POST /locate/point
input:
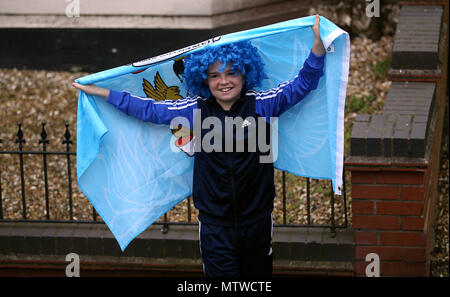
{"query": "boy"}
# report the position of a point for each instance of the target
(233, 191)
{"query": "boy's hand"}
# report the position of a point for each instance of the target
(91, 89)
(318, 48)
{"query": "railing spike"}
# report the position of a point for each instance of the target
(44, 139)
(67, 140)
(20, 140)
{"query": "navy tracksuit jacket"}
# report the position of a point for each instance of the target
(230, 189)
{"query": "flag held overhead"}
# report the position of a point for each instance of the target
(128, 168)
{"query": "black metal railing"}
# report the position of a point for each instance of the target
(44, 141)
(165, 222)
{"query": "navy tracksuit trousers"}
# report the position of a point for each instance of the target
(245, 251)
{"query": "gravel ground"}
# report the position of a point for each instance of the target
(31, 96)
(440, 253)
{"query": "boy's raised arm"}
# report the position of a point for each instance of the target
(92, 89)
(318, 47)
(275, 101)
(145, 109)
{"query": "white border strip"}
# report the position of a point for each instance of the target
(332, 36)
(341, 108)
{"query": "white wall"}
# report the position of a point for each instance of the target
(191, 14)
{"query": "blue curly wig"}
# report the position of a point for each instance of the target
(243, 57)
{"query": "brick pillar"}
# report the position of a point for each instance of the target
(389, 220)
(394, 157)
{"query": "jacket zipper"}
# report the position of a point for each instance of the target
(233, 191)
(233, 187)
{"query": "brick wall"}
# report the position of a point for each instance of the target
(388, 219)
(394, 157)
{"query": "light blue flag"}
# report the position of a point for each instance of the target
(128, 168)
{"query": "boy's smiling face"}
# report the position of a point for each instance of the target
(225, 86)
